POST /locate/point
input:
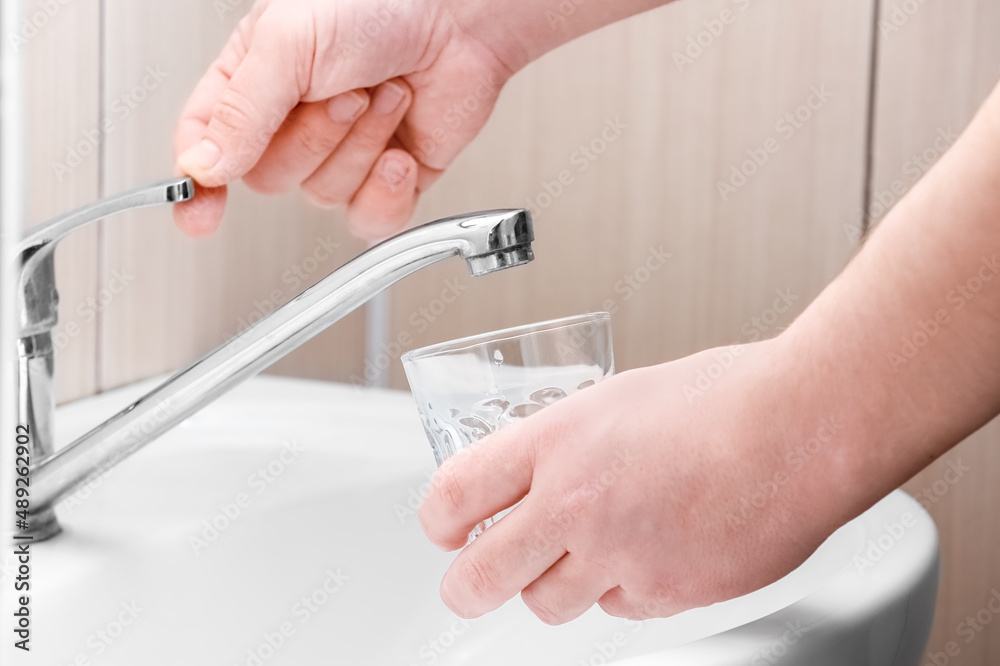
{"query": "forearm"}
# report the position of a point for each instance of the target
(520, 31)
(904, 344)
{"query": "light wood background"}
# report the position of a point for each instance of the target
(63, 87)
(137, 297)
(791, 227)
(934, 72)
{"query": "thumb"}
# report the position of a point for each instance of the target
(481, 481)
(244, 100)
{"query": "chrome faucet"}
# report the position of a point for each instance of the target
(488, 241)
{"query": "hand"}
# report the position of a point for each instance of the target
(649, 493)
(360, 104)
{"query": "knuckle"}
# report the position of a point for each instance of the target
(324, 197)
(614, 603)
(633, 607)
(613, 608)
(370, 140)
(234, 113)
(313, 141)
(265, 183)
(480, 576)
(542, 610)
(451, 491)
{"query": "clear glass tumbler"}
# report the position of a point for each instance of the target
(467, 388)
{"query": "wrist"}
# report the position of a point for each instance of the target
(521, 31)
(829, 436)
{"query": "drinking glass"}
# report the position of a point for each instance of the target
(468, 388)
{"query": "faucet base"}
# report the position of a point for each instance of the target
(44, 525)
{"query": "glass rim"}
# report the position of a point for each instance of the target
(524, 330)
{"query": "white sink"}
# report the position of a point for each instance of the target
(128, 583)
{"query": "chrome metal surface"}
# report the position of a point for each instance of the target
(37, 289)
(38, 308)
(13, 204)
(488, 241)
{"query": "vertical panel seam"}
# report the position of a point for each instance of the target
(869, 168)
(100, 269)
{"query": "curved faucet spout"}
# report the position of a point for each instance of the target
(488, 241)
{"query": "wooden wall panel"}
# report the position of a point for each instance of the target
(686, 126)
(677, 132)
(188, 295)
(938, 62)
(61, 48)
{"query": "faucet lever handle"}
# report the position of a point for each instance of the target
(34, 254)
(171, 190)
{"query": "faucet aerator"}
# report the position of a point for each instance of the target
(498, 261)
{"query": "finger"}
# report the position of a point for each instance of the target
(479, 482)
(385, 203)
(501, 562)
(251, 106)
(618, 603)
(343, 173)
(566, 591)
(198, 110)
(309, 137)
(201, 216)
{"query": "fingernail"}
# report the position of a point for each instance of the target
(388, 98)
(201, 157)
(347, 107)
(395, 171)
